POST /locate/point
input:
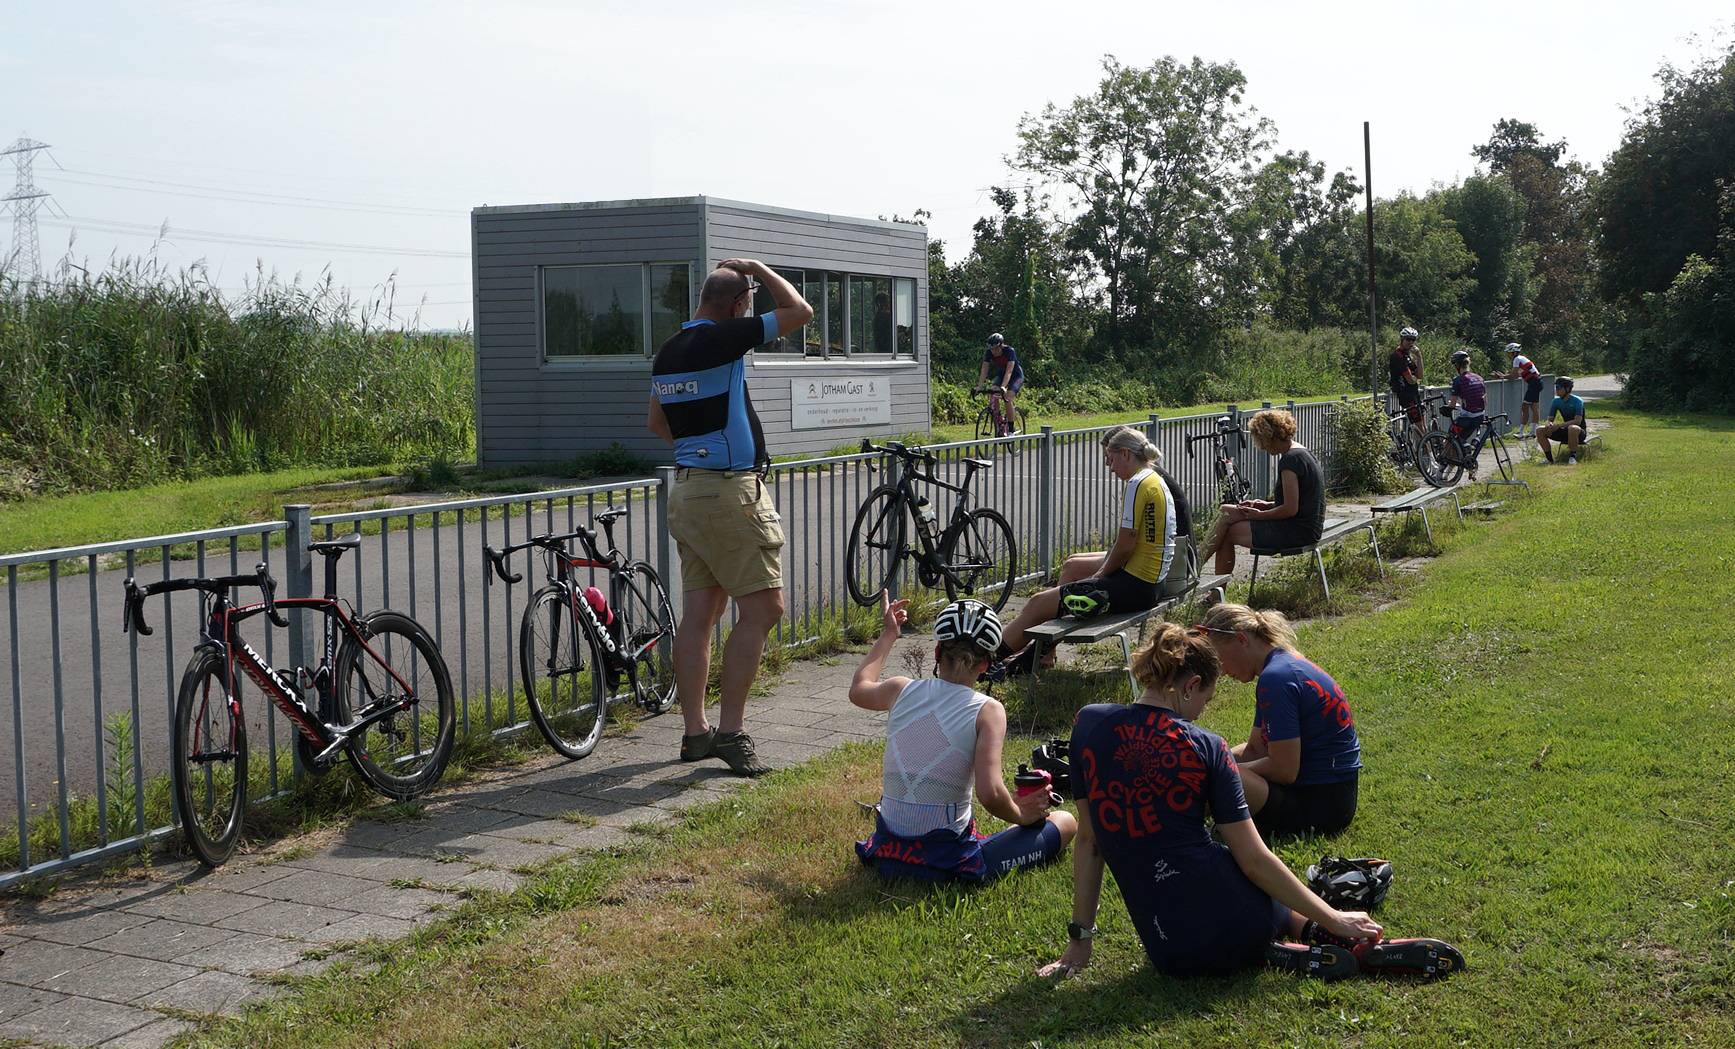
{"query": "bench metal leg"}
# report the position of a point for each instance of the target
(1127, 654)
(1374, 538)
(1253, 582)
(1426, 528)
(1035, 663)
(1319, 559)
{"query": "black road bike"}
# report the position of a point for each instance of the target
(381, 695)
(1446, 456)
(997, 417)
(974, 555)
(1232, 488)
(1406, 449)
(578, 646)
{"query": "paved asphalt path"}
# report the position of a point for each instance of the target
(475, 624)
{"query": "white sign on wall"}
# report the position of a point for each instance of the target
(818, 404)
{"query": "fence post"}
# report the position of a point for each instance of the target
(1045, 499)
(298, 566)
(665, 556)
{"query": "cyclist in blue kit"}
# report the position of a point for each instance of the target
(1301, 764)
(1002, 360)
(720, 513)
(1146, 779)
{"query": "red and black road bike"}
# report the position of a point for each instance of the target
(381, 694)
(582, 650)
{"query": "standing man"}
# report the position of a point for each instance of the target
(722, 517)
(1405, 370)
(1530, 409)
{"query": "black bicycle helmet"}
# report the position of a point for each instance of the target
(996, 339)
(1054, 758)
(1563, 381)
(1350, 884)
(1460, 357)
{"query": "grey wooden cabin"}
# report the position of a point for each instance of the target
(572, 301)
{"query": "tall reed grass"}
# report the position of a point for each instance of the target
(139, 374)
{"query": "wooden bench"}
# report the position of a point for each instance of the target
(1087, 631)
(1419, 499)
(1335, 530)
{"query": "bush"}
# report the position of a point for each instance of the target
(614, 461)
(1360, 456)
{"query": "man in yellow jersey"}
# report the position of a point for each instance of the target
(1125, 577)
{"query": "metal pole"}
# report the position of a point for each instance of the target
(1373, 294)
(1045, 503)
(665, 556)
(298, 570)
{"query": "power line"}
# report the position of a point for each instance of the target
(247, 196)
(166, 232)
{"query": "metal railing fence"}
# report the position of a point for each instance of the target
(91, 707)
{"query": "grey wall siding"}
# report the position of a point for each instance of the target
(532, 411)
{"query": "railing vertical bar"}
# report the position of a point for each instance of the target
(133, 689)
(415, 656)
(464, 626)
(487, 636)
(506, 615)
(18, 719)
(271, 712)
(96, 705)
(59, 706)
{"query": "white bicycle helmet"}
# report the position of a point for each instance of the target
(972, 620)
(1409, 333)
(1512, 348)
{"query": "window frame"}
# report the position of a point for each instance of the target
(646, 350)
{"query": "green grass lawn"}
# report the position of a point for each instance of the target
(1545, 719)
(1086, 420)
(164, 509)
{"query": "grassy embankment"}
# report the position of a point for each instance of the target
(1543, 716)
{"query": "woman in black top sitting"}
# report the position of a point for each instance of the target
(1293, 516)
(1146, 779)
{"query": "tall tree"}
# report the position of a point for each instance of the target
(1489, 214)
(1422, 266)
(1155, 158)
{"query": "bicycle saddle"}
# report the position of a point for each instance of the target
(981, 464)
(335, 547)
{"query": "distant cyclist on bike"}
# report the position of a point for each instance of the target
(1002, 359)
(1530, 410)
(1468, 406)
(1405, 367)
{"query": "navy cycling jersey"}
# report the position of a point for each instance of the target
(1148, 779)
(1472, 392)
(1297, 700)
(700, 380)
(997, 365)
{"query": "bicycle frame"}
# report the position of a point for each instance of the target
(907, 480)
(221, 631)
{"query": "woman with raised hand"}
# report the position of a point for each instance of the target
(1293, 517)
(1301, 763)
(943, 748)
(1146, 779)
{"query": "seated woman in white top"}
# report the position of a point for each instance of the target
(943, 744)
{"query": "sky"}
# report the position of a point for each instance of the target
(314, 138)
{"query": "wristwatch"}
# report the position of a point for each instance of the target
(1075, 931)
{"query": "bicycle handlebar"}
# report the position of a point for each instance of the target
(546, 541)
(899, 450)
(133, 613)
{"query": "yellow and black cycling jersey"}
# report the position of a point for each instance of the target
(1150, 513)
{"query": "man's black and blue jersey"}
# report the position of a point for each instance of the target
(700, 379)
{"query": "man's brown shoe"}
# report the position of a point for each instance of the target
(736, 748)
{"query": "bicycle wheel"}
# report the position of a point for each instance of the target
(647, 619)
(210, 762)
(876, 545)
(1502, 458)
(981, 560)
(1440, 461)
(403, 753)
(986, 423)
(564, 676)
